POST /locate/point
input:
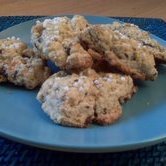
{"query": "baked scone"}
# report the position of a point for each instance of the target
(56, 40)
(113, 90)
(119, 51)
(78, 100)
(134, 32)
(20, 65)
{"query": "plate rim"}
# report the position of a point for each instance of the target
(84, 149)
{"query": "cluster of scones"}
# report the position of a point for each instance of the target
(98, 64)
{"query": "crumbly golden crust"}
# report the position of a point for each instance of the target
(20, 65)
(69, 99)
(78, 100)
(119, 51)
(134, 32)
(56, 40)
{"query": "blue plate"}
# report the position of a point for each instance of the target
(143, 122)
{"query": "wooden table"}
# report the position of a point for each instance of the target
(133, 8)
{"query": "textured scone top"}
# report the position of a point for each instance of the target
(11, 47)
(73, 100)
(20, 65)
(133, 31)
(56, 40)
(61, 84)
(61, 29)
(119, 51)
(144, 38)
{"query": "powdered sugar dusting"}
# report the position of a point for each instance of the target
(98, 83)
(66, 88)
(109, 80)
(122, 78)
(56, 29)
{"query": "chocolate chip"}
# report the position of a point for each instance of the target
(15, 74)
(68, 51)
(35, 45)
(127, 56)
(104, 110)
(95, 115)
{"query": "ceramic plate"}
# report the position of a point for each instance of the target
(142, 123)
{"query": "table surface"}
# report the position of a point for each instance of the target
(130, 8)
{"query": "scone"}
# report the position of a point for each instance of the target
(134, 32)
(119, 51)
(20, 65)
(113, 90)
(56, 40)
(78, 100)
